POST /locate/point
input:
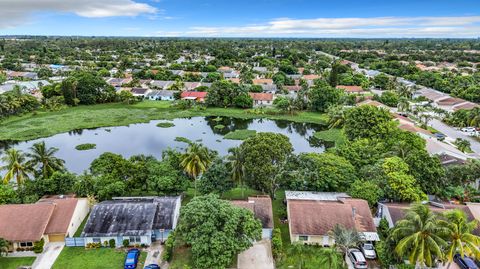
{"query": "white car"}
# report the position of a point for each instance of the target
(357, 259)
(468, 129)
(368, 251)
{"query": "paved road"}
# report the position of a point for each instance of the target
(259, 256)
(49, 255)
(454, 134)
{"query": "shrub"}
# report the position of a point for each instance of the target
(111, 243)
(38, 246)
(106, 243)
(126, 243)
(169, 244)
(277, 243)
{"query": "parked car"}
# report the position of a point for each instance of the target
(464, 262)
(152, 266)
(368, 251)
(132, 259)
(440, 136)
(468, 129)
(357, 258)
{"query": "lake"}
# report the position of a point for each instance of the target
(148, 139)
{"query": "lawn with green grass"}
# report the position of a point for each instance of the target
(336, 136)
(79, 231)
(15, 262)
(240, 134)
(102, 258)
(47, 123)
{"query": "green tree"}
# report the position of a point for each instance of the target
(243, 100)
(196, 161)
(236, 164)
(368, 122)
(265, 154)
(8, 195)
(463, 145)
(419, 236)
(216, 179)
(322, 96)
(402, 186)
(216, 230)
(459, 234)
(16, 166)
(367, 190)
(221, 94)
(345, 238)
(43, 160)
(3, 247)
(164, 179)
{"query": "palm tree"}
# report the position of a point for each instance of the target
(44, 159)
(236, 160)
(345, 238)
(16, 166)
(462, 144)
(331, 258)
(336, 116)
(459, 234)
(403, 105)
(419, 236)
(195, 161)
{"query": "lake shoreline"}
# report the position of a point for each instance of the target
(44, 124)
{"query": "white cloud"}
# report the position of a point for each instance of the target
(16, 12)
(466, 26)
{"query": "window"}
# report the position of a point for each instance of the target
(26, 244)
(96, 240)
(135, 239)
(303, 238)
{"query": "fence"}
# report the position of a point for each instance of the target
(75, 242)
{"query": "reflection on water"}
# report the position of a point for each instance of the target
(148, 139)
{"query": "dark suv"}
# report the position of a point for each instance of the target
(464, 262)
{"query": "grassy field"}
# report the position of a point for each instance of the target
(43, 123)
(332, 135)
(80, 228)
(103, 258)
(15, 262)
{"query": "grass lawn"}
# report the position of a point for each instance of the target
(103, 258)
(181, 256)
(80, 228)
(332, 135)
(15, 262)
(45, 123)
(240, 134)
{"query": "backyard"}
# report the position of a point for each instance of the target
(103, 258)
(15, 262)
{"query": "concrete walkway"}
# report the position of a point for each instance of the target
(154, 254)
(49, 255)
(259, 256)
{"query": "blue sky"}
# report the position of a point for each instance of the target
(247, 18)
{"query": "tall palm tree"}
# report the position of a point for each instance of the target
(336, 116)
(331, 258)
(236, 161)
(195, 161)
(418, 236)
(16, 166)
(403, 105)
(459, 234)
(44, 159)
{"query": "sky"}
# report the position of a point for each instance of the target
(243, 18)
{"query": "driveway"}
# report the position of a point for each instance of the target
(154, 254)
(259, 256)
(49, 255)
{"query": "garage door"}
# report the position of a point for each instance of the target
(56, 238)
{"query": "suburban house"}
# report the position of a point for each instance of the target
(393, 212)
(261, 99)
(51, 219)
(141, 220)
(161, 84)
(262, 81)
(195, 96)
(163, 95)
(351, 89)
(139, 92)
(118, 82)
(313, 215)
(261, 206)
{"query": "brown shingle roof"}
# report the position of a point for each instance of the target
(308, 217)
(24, 223)
(261, 206)
(62, 215)
(256, 96)
(350, 89)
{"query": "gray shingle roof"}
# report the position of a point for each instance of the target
(131, 216)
